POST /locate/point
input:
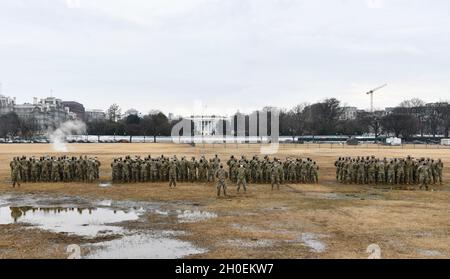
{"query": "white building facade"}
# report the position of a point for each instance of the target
(207, 125)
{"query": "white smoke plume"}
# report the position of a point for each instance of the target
(58, 136)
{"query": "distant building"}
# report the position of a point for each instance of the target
(47, 113)
(6, 104)
(389, 110)
(206, 125)
(94, 115)
(380, 113)
(349, 113)
(173, 117)
(76, 108)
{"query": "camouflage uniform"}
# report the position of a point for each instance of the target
(275, 175)
(221, 175)
(241, 178)
(16, 169)
(314, 173)
(423, 175)
(192, 170)
(173, 170)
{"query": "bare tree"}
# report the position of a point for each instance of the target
(9, 125)
(114, 113)
(28, 127)
(133, 125)
(156, 124)
(400, 124)
(322, 118)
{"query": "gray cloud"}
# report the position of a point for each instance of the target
(234, 54)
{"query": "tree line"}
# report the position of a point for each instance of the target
(409, 118)
(12, 126)
(327, 117)
(154, 124)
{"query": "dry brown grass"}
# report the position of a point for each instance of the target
(262, 223)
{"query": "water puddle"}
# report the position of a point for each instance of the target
(104, 185)
(430, 253)
(189, 216)
(310, 240)
(88, 222)
(104, 203)
(257, 243)
(127, 220)
(144, 246)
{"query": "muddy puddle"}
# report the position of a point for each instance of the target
(190, 216)
(158, 245)
(133, 236)
(313, 241)
(104, 185)
(430, 253)
(89, 222)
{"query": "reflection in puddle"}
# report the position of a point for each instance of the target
(144, 246)
(79, 221)
(93, 219)
(187, 216)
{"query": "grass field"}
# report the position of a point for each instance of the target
(327, 220)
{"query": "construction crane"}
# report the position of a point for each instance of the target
(371, 95)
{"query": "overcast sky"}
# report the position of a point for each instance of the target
(227, 55)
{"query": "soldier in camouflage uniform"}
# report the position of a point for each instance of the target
(183, 175)
(439, 168)
(193, 165)
(16, 169)
(371, 169)
(381, 179)
(115, 171)
(143, 176)
(400, 172)
(66, 171)
(314, 173)
(241, 178)
(291, 170)
(275, 174)
(423, 175)
(221, 175)
(35, 170)
(173, 170)
(337, 164)
(391, 173)
(259, 175)
(232, 168)
(210, 170)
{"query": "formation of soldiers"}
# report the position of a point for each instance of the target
(54, 169)
(240, 171)
(263, 171)
(163, 168)
(394, 171)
